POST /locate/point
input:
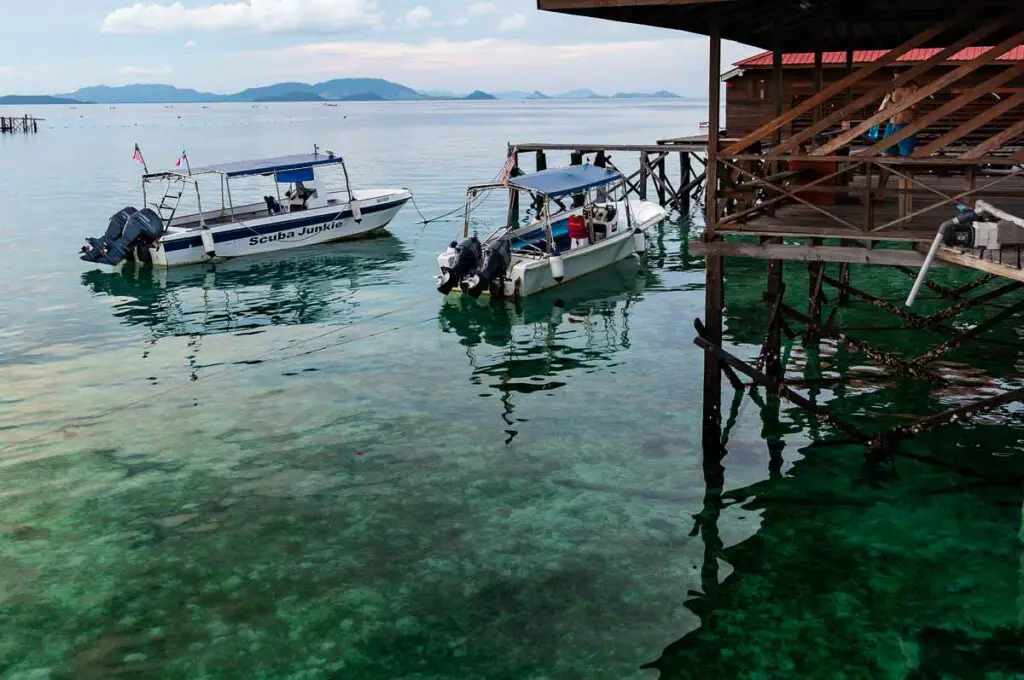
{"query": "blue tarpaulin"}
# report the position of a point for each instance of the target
(562, 181)
(266, 166)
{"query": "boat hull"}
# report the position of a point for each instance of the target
(281, 232)
(534, 276)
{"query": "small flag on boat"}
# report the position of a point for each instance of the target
(506, 172)
(138, 155)
(182, 158)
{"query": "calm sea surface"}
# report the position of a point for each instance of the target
(308, 465)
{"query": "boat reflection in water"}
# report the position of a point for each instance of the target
(541, 339)
(296, 287)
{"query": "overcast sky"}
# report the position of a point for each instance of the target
(55, 46)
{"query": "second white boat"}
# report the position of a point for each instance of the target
(585, 222)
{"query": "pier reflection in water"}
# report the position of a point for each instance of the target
(908, 570)
(535, 344)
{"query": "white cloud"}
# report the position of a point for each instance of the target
(513, 22)
(261, 16)
(481, 8)
(190, 43)
(6, 71)
(418, 15)
(140, 71)
(468, 64)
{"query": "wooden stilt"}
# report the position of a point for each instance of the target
(644, 173)
(815, 273)
(576, 158)
(659, 186)
(773, 346)
(542, 161)
(685, 176)
(714, 293)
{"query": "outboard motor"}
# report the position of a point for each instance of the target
(492, 275)
(95, 248)
(143, 228)
(468, 255)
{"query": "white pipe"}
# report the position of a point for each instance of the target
(981, 207)
(932, 252)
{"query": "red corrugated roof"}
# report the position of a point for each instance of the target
(797, 59)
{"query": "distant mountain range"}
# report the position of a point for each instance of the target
(341, 89)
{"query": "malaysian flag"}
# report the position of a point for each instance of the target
(506, 172)
(137, 156)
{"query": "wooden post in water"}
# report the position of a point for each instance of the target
(576, 158)
(685, 175)
(642, 181)
(513, 208)
(773, 349)
(714, 291)
(659, 186)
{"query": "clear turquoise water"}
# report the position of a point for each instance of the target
(309, 465)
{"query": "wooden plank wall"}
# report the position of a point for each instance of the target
(746, 111)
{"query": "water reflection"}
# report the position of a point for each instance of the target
(296, 287)
(540, 340)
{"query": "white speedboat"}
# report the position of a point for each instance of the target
(303, 211)
(585, 222)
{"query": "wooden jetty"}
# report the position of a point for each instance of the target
(657, 165)
(24, 123)
(799, 178)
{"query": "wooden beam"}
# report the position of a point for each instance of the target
(921, 94)
(946, 109)
(714, 106)
(956, 256)
(561, 5)
(777, 89)
(808, 253)
(970, 126)
(996, 141)
(835, 88)
(879, 91)
(818, 80)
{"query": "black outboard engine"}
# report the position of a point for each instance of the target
(141, 228)
(95, 248)
(468, 255)
(492, 274)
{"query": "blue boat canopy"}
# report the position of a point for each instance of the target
(562, 181)
(281, 165)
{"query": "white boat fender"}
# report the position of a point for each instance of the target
(557, 266)
(207, 236)
(357, 214)
(639, 240)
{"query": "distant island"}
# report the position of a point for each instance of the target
(340, 89)
(30, 99)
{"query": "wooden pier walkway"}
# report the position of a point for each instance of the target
(24, 123)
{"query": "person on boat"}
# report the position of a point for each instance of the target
(579, 233)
